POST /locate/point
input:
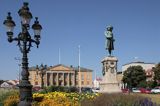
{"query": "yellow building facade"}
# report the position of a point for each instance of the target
(61, 75)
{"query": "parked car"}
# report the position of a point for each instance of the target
(136, 90)
(36, 88)
(86, 90)
(96, 90)
(145, 90)
(125, 90)
(156, 90)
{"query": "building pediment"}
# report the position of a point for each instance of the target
(60, 67)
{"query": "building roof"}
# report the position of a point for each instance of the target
(33, 68)
(8, 83)
(82, 69)
(13, 82)
(60, 65)
(137, 62)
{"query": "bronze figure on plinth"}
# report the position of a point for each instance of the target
(109, 45)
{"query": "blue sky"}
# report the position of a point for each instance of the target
(69, 23)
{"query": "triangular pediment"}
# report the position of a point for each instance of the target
(60, 67)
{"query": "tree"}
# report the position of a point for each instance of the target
(156, 71)
(1, 81)
(134, 76)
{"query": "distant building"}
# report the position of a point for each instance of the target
(9, 84)
(146, 66)
(14, 82)
(6, 85)
(61, 75)
(96, 82)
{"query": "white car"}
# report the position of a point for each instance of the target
(96, 90)
(155, 90)
(136, 90)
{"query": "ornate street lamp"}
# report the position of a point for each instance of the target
(24, 41)
(19, 64)
(42, 68)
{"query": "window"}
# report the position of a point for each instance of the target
(36, 83)
(87, 82)
(82, 77)
(76, 82)
(36, 77)
(82, 82)
(77, 76)
(88, 77)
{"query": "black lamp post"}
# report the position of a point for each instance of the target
(42, 68)
(24, 41)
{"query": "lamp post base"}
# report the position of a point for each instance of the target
(24, 103)
(25, 94)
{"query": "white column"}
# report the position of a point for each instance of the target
(57, 79)
(72, 79)
(51, 78)
(62, 79)
(68, 80)
(46, 79)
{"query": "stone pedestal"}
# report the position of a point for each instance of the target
(109, 83)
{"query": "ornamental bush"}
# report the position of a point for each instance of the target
(60, 89)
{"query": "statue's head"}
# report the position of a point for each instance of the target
(109, 28)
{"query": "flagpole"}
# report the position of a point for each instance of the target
(59, 55)
(79, 68)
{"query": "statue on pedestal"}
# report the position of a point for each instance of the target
(109, 39)
(109, 83)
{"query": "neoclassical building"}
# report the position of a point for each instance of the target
(61, 75)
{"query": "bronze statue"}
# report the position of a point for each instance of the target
(109, 39)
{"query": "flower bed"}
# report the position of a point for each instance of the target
(52, 99)
(61, 98)
(83, 99)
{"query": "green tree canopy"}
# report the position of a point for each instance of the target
(1, 81)
(134, 76)
(156, 71)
